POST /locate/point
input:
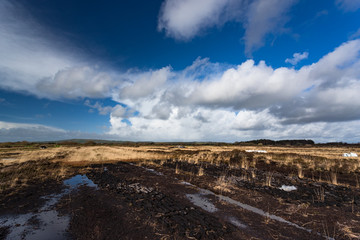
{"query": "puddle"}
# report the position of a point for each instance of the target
(259, 211)
(201, 202)
(153, 171)
(186, 183)
(256, 151)
(288, 188)
(78, 181)
(46, 223)
(234, 221)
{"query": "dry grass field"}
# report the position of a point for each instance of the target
(180, 192)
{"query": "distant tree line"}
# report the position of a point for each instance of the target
(268, 142)
(94, 142)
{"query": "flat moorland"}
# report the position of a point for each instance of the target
(179, 192)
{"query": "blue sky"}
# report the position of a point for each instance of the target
(180, 70)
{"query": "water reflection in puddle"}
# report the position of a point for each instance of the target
(201, 202)
(46, 223)
(79, 180)
(42, 225)
(234, 221)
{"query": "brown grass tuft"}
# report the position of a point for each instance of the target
(268, 178)
(300, 171)
(177, 169)
(201, 171)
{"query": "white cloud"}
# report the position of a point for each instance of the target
(77, 82)
(119, 111)
(265, 17)
(249, 86)
(297, 57)
(10, 125)
(251, 101)
(185, 19)
(33, 63)
(26, 54)
(211, 101)
(205, 101)
(11, 132)
(142, 84)
(103, 110)
(223, 125)
(335, 80)
(30, 132)
(348, 5)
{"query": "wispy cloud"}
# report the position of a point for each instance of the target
(33, 63)
(103, 110)
(348, 5)
(265, 17)
(185, 19)
(29, 55)
(297, 57)
(11, 132)
(11, 125)
(355, 34)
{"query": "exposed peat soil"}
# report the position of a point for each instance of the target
(172, 199)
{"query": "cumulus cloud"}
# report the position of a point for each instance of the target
(222, 125)
(185, 19)
(348, 5)
(248, 86)
(77, 82)
(142, 84)
(297, 57)
(119, 111)
(249, 100)
(332, 97)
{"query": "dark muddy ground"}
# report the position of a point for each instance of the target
(171, 200)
